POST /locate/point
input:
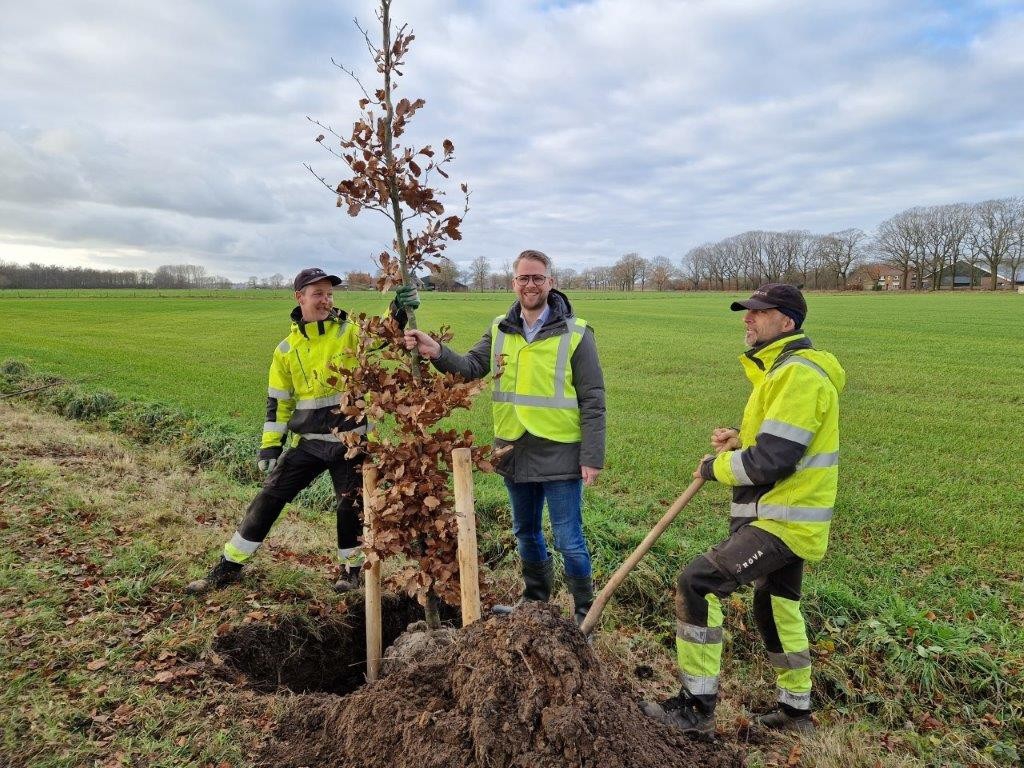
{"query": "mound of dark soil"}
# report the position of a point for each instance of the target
(525, 690)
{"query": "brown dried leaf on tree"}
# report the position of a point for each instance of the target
(386, 384)
(414, 504)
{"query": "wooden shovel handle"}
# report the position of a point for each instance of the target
(620, 575)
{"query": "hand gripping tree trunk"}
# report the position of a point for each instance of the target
(394, 180)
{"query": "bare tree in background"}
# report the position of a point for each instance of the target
(1015, 253)
(359, 281)
(694, 266)
(479, 270)
(662, 273)
(446, 275)
(840, 251)
(994, 231)
(565, 277)
(626, 271)
(895, 243)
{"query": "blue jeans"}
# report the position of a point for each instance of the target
(565, 509)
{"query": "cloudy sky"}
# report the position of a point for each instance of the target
(134, 134)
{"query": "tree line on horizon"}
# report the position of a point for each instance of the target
(925, 246)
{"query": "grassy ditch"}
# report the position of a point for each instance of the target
(948, 685)
(917, 611)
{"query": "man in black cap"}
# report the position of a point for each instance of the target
(783, 467)
(301, 402)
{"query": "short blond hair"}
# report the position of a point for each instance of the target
(535, 256)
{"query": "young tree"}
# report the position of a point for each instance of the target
(412, 507)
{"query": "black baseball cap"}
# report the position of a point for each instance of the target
(781, 296)
(312, 275)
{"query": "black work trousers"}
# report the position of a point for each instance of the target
(295, 471)
(749, 556)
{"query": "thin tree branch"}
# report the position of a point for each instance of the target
(326, 128)
(352, 74)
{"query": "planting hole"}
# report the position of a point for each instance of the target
(307, 655)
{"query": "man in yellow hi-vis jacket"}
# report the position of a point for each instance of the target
(548, 404)
(301, 402)
(783, 466)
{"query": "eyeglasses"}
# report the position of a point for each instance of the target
(535, 279)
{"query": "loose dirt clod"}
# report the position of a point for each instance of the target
(525, 690)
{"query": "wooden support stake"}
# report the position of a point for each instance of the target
(465, 513)
(374, 645)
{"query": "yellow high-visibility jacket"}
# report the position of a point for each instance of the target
(299, 399)
(785, 475)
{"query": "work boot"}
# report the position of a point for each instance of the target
(538, 579)
(582, 590)
(787, 720)
(223, 573)
(684, 713)
(349, 579)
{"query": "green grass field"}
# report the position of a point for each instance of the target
(919, 604)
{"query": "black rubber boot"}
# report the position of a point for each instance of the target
(787, 719)
(349, 579)
(538, 580)
(582, 590)
(223, 573)
(683, 712)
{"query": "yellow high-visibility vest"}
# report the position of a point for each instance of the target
(534, 392)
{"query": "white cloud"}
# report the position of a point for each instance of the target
(133, 135)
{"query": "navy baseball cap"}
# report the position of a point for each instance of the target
(774, 296)
(312, 275)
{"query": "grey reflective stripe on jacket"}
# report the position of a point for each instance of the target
(819, 461)
(312, 403)
(781, 512)
(559, 400)
(786, 431)
(330, 437)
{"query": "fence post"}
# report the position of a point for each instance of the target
(372, 593)
(469, 579)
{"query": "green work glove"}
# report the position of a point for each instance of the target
(406, 297)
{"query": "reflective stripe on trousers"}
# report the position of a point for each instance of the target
(238, 550)
(793, 665)
(699, 651)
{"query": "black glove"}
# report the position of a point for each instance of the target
(267, 458)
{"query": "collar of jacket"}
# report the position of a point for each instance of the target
(557, 322)
(763, 356)
(319, 327)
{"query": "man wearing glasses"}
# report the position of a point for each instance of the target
(548, 404)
